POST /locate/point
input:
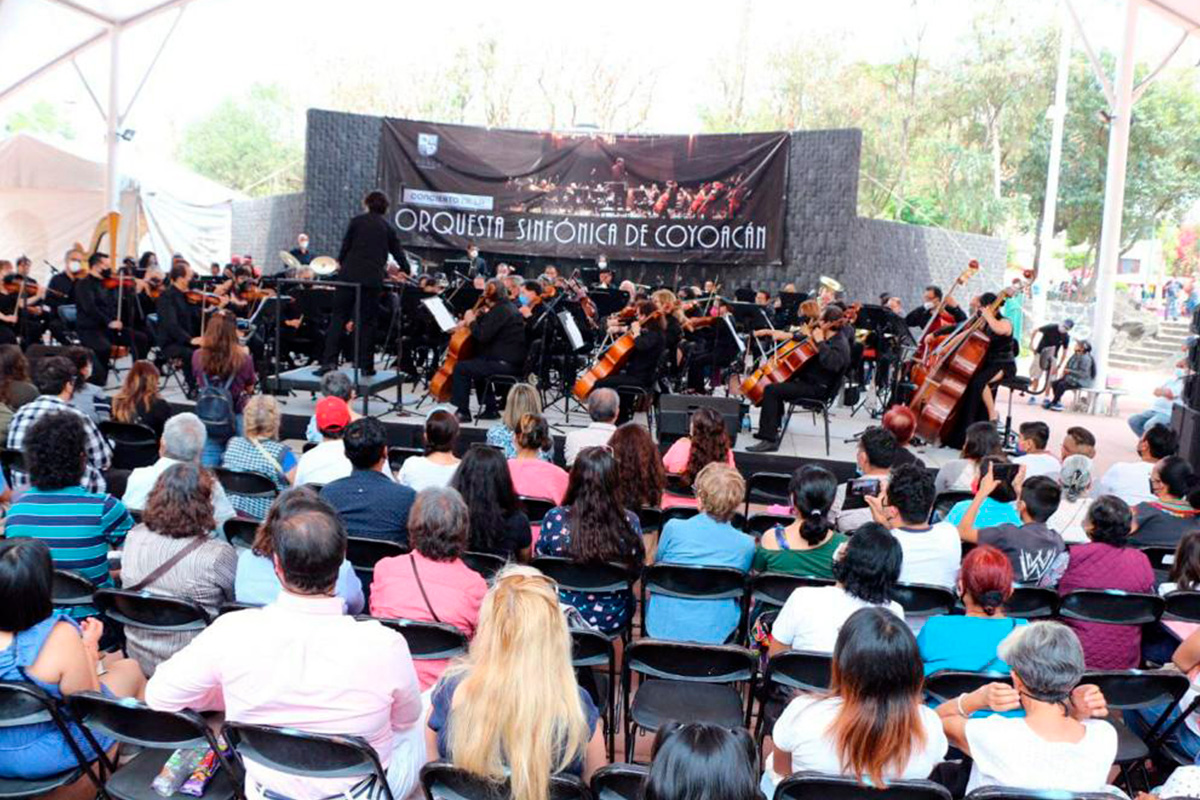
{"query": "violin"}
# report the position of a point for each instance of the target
(14, 284)
(789, 358)
(122, 282)
(197, 297)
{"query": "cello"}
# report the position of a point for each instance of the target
(609, 363)
(460, 348)
(789, 358)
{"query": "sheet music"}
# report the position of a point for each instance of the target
(572, 329)
(441, 313)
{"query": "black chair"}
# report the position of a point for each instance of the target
(1161, 558)
(427, 641)
(946, 501)
(1005, 793)
(695, 583)
(818, 408)
(153, 612)
(232, 605)
(364, 553)
(536, 508)
(574, 577)
(1111, 606)
(679, 487)
(619, 782)
(1032, 602)
(441, 780)
(240, 532)
(819, 786)
(1182, 605)
(591, 650)
(23, 704)
(398, 455)
(685, 682)
(486, 564)
(159, 734)
(758, 524)
(774, 588)
(11, 460)
(71, 589)
(134, 445)
(923, 600)
(678, 512)
(650, 518)
(793, 670)
(949, 683)
(307, 755)
(767, 488)
(1133, 689)
(246, 484)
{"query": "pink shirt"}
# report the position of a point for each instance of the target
(533, 477)
(676, 458)
(455, 591)
(300, 662)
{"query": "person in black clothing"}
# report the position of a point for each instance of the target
(61, 292)
(816, 380)
(641, 368)
(179, 321)
(1050, 344)
(978, 403)
(301, 252)
(363, 259)
(97, 323)
(478, 267)
(919, 317)
(499, 334)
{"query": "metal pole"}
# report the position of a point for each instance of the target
(1114, 196)
(112, 192)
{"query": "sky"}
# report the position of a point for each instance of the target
(220, 47)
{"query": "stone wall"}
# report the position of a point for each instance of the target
(265, 225)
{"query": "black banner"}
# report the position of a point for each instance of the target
(700, 199)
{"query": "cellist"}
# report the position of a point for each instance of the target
(979, 399)
(641, 370)
(816, 380)
(498, 331)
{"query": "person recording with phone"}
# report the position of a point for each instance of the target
(876, 455)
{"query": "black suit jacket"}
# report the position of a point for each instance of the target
(365, 247)
(500, 333)
(95, 305)
(177, 322)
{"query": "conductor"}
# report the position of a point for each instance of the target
(363, 259)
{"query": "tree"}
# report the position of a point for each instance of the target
(41, 117)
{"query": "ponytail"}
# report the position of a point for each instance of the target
(814, 526)
(813, 490)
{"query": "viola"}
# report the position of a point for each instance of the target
(16, 284)
(609, 363)
(123, 282)
(789, 358)
(197, 297)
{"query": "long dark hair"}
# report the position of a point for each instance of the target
(1185, 572)
(13, 367)
(640, 474)
(710, 443)
(220, 352)
(600, 530)
(813, 490)
(702, 761)
(483, 480)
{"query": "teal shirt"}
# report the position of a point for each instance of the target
(991, 513)
(967, 644)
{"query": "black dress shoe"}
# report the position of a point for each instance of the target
(769, 446)
(324, 369)
(369, 372)
(462, 416)
(488, 415)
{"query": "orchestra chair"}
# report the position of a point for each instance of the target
(497, 386)
(619, 782)
(441, 780)
(23, 704)
(787, 673)
(307, 755)
(69, 314)
(821, 786)
(592, 651)
(816, 407)
(169, 367)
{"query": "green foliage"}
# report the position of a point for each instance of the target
(41, 117)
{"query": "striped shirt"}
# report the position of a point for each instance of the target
(98, 450)
(78, 526)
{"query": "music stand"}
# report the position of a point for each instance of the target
(608, 301)
(789, 308)
(751, 317)
(464, 298)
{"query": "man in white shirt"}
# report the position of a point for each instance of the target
(1130, 480)
(182, 442)
(876, 453)
(327, 462)
(1165, 397)
(603, 407)
(932, 553)
(1032, 438)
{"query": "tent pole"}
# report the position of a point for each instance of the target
(112, 191)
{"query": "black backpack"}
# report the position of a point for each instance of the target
(214, 407)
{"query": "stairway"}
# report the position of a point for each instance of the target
(1152, 352)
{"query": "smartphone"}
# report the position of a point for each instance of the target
(863, 487)
(1005, 473)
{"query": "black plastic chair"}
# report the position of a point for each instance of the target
(619, 782)
(536, 508)
(307, 755)
(134, 445)
(1182, 605)
(441, 780)
(364, 553)
(650, 518)
(1134, 689)
(678, 512)
(817, 407)
(766, 488)
(427, 641)
(758, 524)
(233, 605)
(685, 682)
(24, 704)
(71, 589)
(1161, 558)
(11, 461)
(591, 650)
(1005, 793)
(1032, 602)
(946, 501)
(153, 612)
(240, 532)
(575, 577)
(774, 588)
(948, 683)
(1111, 606)
(695, 583)
(398, 455)
(794, 670)
(923, 600)
(677, 486)
(820, 786)
(486, 564)
(246, 484)
(159, 733)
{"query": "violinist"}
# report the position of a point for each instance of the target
(97, 323)
(605, 279)
(919, 317)
(762, 299)
(179, 321)
(498, 331)
(8, 306)
(816, 380)
(999, 362)
(641, 370)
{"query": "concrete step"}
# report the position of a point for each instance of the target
(1116, 362)
(1139, 358)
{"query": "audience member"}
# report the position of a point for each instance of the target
(1037, 553)
(222, 362)
(257, 579)
(15, 388)
(902, 423)
(705, 540)
(1056, 745)
(498, 523)
(641, 478)
(302, 663)
(1108, 562)
(182, 442)
(172, 553)
(1079, 372)
(437, 466)
(875, 456)
(138, 400)
(1076, 482)
(55, 379)
(996, 508)
(88, 398)
(1184, 574)
(589, 528)
(959, 475)
(1032, 440)
(866, 569)
(327, 461)
(1130, 480)
(1184, 737)
(1078, 441)
(707, 443)
(45, 648)
(1165, 397)
(695, 760)
(604, 406)
(479, 724)
(369, 503)
(931, 551)
(807, 546)
(259, 451)
(1175, 509)
(431, 583)
(872, 726)
(522, 399)
(532, 476)
(333, 384)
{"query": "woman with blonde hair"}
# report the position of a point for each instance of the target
(481, 725)
(258, 450)
(138, 400)
(522, 399)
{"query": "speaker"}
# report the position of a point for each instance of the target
(1186, 423)
(675, 415)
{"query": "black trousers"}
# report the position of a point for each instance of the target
(343, 312)
(777, 395)
(474, 373)
(1061, 386)
(182, 352)
(618, 381)
(101, 344)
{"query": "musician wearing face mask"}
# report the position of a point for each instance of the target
(919, 317)
(605, 280)
(301, 252)
(979, 398)
(478, 267)
(97, 322)
(498, 331)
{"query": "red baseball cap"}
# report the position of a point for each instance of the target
(332, 414)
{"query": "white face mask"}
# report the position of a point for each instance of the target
(603, 264)
(929, 305)
(74, 266)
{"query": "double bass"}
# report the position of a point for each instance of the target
(609, 363)
(789, 358)
(460, 348)
(929, 344)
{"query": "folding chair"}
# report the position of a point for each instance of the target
(678, 487)
(486, 564)
(1032, 602)
(791, 671)
(147, 611)
(307, 755)
(816, 407)
(819, 786)
(575, 577)
(398, 455)
(758, 524)
(427, 641)
(650, 518)
(619, 782)
(695, 583)
(536, 508)
(1111, 606)
(240, 532)
(1005, 793)
(946, 501)
(774, 588)
(1182, 605)
(71, 589)
(134, 445)
(767, 488)
(246, 484)
(441, 780)
(923, 600)
(364, 553)
(591, 650)
(678, 512)
(948, 683)
(11, 460)
(23, 704)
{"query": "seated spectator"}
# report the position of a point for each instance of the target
(876, 455)
(931, 552)
(959, 475)
(259, 451)
(1037, 552)
(1130, 480)
(531, 475)
(702, 760)
(498, 524)
(902, 424)
(1079, 372)
(1175, 509)
(15, 388)
(437, 466)
(807, 546)
(338, 675)
(172, 553)
(1108, 562)
(88, 398)
(479, 724)
(257, 581)
(707, 443)
(1032, 440)
(55, 379)
(522, 399)
(590, 528)
(369, 503)
(60, 656)
(1184, 574)
(333, 384)
(997, 508)
(1165, 397)
(872, 726)
(706, 540)
(138, 400)
(604, 406)
(866, 570)
(1185, 736)
(182, 442)
(78, 525)
(327, 462)
(1076, 482)
(969, 641)
(431, 583)
(1056, 745)
(1078, 441)
(641, 478)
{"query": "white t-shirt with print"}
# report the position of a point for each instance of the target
(1040, 464)
(1007, 752)
(813, 615)
(932, 556)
